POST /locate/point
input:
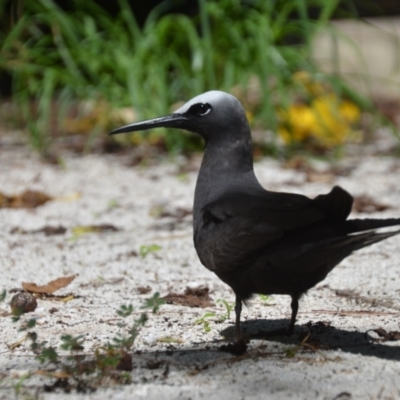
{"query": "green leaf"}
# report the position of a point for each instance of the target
(228, 307)
(144, 250)
(292, 351)
(125, 311)
(154, 302)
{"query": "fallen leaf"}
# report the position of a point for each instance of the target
(47, 230)
(52, 230)
(198, 297)
(84, 229)
(14, 345)
(27, 199)
(143, 289)
(51, 287)
(56, 374)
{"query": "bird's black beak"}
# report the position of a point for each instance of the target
(169, 121)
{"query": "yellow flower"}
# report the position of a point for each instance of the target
(350, 111)
(324, 118)
(327, 119)
(298, 122)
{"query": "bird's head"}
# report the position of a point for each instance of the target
(214, 115)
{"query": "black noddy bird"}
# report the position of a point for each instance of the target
(255, 240)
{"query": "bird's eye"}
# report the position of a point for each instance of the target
(200, 109)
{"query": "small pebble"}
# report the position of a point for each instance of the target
(194, 285)
(23, 302)
(151, 340)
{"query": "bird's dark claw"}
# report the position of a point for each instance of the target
(238, 347)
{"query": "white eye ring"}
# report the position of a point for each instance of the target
(197, 109)
(206, 112)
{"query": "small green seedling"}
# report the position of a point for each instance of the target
(144, 250)
(154, 302)
(292, 351)
(125, 311)
(72, 343)
(228, 308)
(204, 321)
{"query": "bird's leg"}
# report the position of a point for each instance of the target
(237, 337)
(295, 307)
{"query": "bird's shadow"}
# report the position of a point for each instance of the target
(315, 337)
(321, 336)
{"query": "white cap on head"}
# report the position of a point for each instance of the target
(213, 97)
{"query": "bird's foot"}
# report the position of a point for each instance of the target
(238, 347)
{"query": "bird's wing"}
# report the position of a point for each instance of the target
(237, 225)
(285, 211)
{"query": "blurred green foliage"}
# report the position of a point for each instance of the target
(60, 60)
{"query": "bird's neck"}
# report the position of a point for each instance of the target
(225, 167)
(222, 158)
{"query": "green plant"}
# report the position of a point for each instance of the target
(83, 371)
(154, 302)
(228, 309)
(204, 321)
(77, 71)
(125, 311)
(291, 352)
(145, 250)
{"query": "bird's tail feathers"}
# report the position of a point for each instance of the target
(361, 240)
(360, 225)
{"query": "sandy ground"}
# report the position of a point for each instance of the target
(341, 361)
